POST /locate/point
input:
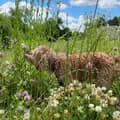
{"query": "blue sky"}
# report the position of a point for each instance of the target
(76, 9)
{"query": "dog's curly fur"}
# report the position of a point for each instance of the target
(98, 67)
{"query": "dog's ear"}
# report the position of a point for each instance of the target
(29, 57)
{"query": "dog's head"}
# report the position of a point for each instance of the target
(39, 57)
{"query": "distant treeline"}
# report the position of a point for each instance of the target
(112, 22)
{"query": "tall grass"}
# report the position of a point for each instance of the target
(18, 76)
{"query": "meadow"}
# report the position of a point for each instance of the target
(28, 94)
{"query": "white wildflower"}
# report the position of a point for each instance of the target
(53, 91)
(91, 105)
(80, 109)
(7, 63)
(110, 93)
(87, 97)
(75, 82)
(98, 109)
(104, 88)
(80, 85)
(116, 115)
(53, 103)
(113, 100)
(26, 115)
(104, 103)
(2, 111)
(56, 115)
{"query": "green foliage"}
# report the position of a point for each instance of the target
(5, 31)
(40, 89)
(115, 21)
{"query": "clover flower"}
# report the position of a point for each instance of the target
(113, 100)
(56, 115)
(53, 103)
(26, 114)
(98, 109)
(7, 62)
(116, 115)
(91, 106)
(104, 88)
(2, 111)
(87, 97)
(110, 93)
(80, 109)
(104, 103)
(27, 98)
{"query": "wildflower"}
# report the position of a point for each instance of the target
(7, 63)
(27, 98)
(98, 109)
(75, 82)
(91, 106)
(80, 85)
(113, 100)
(104, 88)
(53, 103)
(110, 92)
(26, 114)
(77, 97)
(2, 111)
(56, 115)
(70, 88)
(116, 115)
(99, 91)
(57, 96)
(104, 103)
(66, 111)
(87, 97)
(53, 91)
(25, 93)
(61, 88)
(80, 109)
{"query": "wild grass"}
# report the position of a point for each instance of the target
(28, 94)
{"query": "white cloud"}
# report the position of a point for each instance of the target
(104, 4)
(75, 24)
(82, 2)
(62, 6)
(5, 8)
(110, 4)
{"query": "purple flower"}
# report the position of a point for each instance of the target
(25, 93)
(27, 98)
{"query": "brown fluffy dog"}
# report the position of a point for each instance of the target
(98, 66)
